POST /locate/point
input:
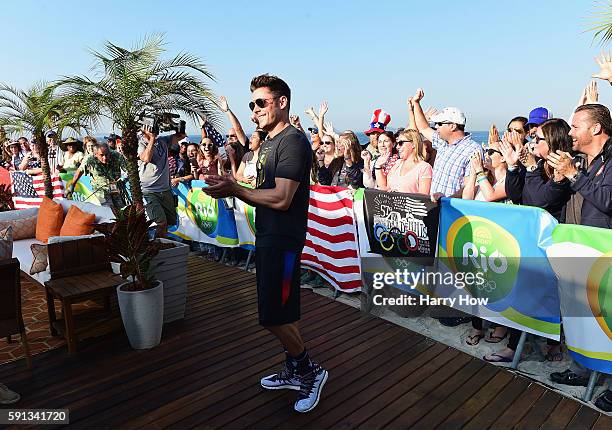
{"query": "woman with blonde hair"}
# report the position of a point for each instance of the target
(346, 168)
(411, 173)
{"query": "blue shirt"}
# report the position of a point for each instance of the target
(452, 163)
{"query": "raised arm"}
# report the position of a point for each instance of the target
(419, 116)
(224, 106)
(322, 111)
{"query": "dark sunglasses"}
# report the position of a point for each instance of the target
(442, 123)
(227, 136)
(492, 151)
(208, 146)
(326, 143)
(518, 130)
(261, 103)
(538, 138)
(401, 142)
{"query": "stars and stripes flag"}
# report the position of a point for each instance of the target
(28, 190)
(213, 134)
(331, 239)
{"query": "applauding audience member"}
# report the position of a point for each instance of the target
(346, 168)
(236, 137)
(209, 161)
(411, 173)
(247, 171)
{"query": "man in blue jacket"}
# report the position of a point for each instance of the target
(592, 181)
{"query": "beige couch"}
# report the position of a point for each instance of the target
(21, 248)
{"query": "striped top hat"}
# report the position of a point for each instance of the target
(380, 119)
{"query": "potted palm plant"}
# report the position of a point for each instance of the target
(141, 297)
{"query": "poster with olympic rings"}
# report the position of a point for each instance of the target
(401, 225)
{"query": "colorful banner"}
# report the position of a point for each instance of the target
(505, 247)
(585, 292)
(244, 215)
(83, 190)
(204, 219)
(401, 225)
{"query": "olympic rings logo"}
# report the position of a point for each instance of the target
(390, 239)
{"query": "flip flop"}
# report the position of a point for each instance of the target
(554, 356)
(474, 339)
(498, 358)
(495, 339)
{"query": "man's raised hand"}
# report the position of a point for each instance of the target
(223, 105)
(605, 67)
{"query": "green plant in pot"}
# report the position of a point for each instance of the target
(141, 298)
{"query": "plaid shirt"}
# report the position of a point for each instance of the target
(452, 163)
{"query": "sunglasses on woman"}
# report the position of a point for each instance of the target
(401, 142)
(492, 151)
(261, 103)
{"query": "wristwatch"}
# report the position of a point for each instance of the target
(574, 177)
(532, 168)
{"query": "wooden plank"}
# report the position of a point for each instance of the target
(563, 413)
(585, 418)
(540, 411)
(512, 415)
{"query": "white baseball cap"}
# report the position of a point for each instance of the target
(449, 114)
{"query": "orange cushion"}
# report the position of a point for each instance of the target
(50, 219)
(77, 222)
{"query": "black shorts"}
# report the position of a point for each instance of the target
(278, 285)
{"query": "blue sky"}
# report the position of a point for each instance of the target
(492, 59)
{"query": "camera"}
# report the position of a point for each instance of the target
(161, 122)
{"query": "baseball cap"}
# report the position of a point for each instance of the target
(538, 116)
(112, 136)
(449, 114)
(313, 129)
(50, 133)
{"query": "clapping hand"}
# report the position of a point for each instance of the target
(563, 163)
(605, 67)
(320, 155)
(367, 159)
(511, 155)
(493, 135)
(328, 128)
(476, 162)
(418, 96)
(311, 114)
(592, 96)
(323, 108)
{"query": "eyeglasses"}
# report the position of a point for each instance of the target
(401, 142)
(209, 146)
(538, 138)
(230, 135)
(261, 103)
(518, 130)
(327, 143)
(492, 151)
(442, 123)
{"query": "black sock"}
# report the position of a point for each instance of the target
(304, 365)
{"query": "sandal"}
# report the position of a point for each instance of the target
(496, 358)
(491, 338)
(474, 339)
(554, 355)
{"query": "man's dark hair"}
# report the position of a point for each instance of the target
(598, 114)
(276, 85)
(24, 138)
(460, 127)
(262, 134)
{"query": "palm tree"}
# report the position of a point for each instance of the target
(602, 23)
(129, 82)
(35, 110)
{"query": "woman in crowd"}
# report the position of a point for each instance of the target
(487, 183)
(73, 155)
(376, 177)
(328, 149)
(31, 162)
(183, 164)
(14, 155)
(346, 169)
(247, 170)
(209, 161)
(542, 187)
(411, 173)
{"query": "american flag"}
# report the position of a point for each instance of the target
(213, 134)
(331, 239)
(29, 190)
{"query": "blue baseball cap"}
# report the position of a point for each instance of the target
(538, 116)
(50, 133)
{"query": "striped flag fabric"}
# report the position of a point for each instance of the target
(331, 239)
(213, 134)
(28, 190)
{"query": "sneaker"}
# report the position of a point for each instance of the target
(286, 379)
(567, 377)
(8, 397)
(604, 402)
(310, 391)
(454, 321)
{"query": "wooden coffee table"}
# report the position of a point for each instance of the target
(74, 289)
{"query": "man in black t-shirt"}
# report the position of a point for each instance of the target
(281, 198)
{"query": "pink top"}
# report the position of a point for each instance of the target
(408, 183)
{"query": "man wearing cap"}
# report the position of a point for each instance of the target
(380, 120)
(112, 141)
(454, 146)
(537, 117)
(55, 153)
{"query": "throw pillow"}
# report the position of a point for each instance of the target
(23, 228)
(50, 220)
(39, 260)
(6, 243)
(77, 222)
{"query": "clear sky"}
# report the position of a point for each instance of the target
(492, 59)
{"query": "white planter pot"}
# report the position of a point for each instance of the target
(142, 315)
(173, 273)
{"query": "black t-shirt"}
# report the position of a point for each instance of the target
(287, 155)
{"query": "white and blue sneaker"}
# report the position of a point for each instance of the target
(310, 390)
(286, 379)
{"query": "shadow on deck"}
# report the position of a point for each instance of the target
(206, 373)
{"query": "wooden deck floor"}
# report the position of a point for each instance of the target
(206, 373)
